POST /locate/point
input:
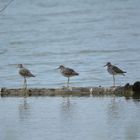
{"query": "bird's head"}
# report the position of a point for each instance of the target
(19, 65)
(107, 64)
(61, 67)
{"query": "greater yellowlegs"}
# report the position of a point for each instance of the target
(25, 73)
(114, 70)
(67, 72)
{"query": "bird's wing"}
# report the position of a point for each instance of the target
(117, 70)
(25, 72)
(70, 71)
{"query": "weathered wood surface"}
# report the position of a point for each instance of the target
(72, 91)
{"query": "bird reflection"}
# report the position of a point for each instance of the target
(67, 108)
(113, 109)
(66, 104)
(24, 110)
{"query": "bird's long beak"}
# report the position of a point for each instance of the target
(105, 65)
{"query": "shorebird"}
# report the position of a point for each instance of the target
(114, 70)
(25, 73)
(67, 72)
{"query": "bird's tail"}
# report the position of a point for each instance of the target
(123, 73)
(76, 73)
(32, 75)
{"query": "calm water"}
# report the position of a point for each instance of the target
(82, 34)
(57, 118)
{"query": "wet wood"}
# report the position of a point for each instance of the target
(71, 91)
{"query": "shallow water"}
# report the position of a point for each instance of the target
(82, 34)
(57, 118)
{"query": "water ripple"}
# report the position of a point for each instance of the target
(100, 51)
(3, 51)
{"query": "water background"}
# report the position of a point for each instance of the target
(57, 118)
(81, 34)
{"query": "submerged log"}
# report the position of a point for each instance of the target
(136, 90)
(71, 91)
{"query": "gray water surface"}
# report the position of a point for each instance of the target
(82, 34)
(73, 118)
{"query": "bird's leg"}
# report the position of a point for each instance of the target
(25, 83)
(25, 87)
(113, 81)
(68, 82)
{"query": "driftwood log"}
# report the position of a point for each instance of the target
(127, 91)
